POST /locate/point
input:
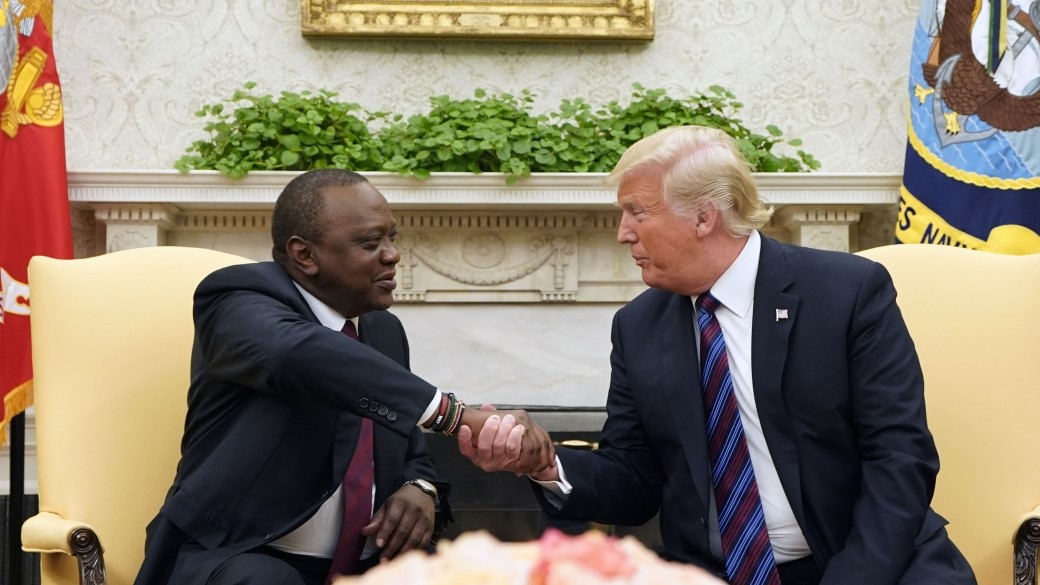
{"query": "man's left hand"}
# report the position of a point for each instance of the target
(404, 522)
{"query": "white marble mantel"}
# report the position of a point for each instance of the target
(166, 201)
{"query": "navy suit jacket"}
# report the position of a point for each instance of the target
(839, 392)
(274, 411)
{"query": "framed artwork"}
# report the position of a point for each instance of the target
(614, 20)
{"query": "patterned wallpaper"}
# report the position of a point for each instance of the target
(832, 72)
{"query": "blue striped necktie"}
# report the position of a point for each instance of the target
(745, 541)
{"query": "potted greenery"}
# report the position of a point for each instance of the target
(485, 133)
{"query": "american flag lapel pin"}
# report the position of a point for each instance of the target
(781, 314)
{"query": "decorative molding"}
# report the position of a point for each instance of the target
(799, 215)
(823, 227)
(135, 225)
(557, 20)
(496, 261)
(443, 191)
(223, 220)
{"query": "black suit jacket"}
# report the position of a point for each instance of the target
(839, 392)
(274, 411)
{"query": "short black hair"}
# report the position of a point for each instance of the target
(300, 207)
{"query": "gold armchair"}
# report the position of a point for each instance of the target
(975, 319)
(111, 341)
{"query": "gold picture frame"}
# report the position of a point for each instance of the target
(612, 20)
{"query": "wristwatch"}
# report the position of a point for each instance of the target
(427, 488)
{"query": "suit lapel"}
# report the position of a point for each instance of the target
(775, 313)
(682, 389)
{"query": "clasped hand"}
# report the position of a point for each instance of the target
(507, 440)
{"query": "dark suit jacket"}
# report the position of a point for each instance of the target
(839, 391)
(274, 410)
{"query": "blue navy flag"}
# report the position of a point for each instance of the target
(972, 171)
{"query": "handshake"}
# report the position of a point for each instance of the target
(507, 440)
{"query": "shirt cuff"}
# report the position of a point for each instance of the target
(432, 408)
(557, 491)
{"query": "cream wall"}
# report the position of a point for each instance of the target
(832, 72)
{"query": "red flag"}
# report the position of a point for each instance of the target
(34, 197)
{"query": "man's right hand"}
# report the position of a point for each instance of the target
(506, 440)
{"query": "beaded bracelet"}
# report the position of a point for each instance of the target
(456, 418)
(449, 415)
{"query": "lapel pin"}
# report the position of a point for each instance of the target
(781, 314)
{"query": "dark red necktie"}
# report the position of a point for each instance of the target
(357, 495)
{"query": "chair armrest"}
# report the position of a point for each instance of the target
(1026, 541)
(48, 532)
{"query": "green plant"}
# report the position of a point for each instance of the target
(484, 133)
(295, 132)
(603, 135)
(488, 132)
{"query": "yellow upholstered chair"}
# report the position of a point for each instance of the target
(975, 319)
(111, 342)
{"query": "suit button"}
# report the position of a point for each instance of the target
(363, 403)
(373, 406)
(391, 416)
(383, 410)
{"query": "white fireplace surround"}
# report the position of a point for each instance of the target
(507, 292)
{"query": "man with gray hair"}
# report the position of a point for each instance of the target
(766, 399)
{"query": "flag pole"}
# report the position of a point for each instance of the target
(16, 507)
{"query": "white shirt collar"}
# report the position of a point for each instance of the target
(736, 287)
(325, 314)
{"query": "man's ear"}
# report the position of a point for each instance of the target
(706, 220)
(301, 255)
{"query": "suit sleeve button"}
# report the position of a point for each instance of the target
(391, 416)
(363, 403)
(383, 410)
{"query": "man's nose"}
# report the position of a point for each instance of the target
(624, 234)
(391, 255)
